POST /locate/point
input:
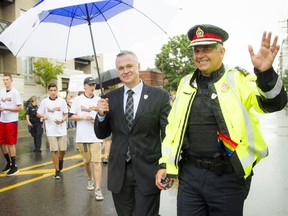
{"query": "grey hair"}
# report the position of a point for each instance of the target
(128, 52)
(219, 47)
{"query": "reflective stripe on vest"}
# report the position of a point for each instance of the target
(249, 128)
(274, 91)
(173, 158)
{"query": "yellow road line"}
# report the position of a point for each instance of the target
(35, 166)
(46, 172)
(50, 162)
(36, 178)
(41, 171)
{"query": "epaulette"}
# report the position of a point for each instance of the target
(242, 70)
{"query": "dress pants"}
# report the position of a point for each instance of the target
(130, 201)
(203, 193)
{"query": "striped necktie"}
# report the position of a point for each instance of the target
(129, 111)
(129, 114)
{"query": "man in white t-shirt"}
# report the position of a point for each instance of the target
(83, 110)
(10, 106)
(55, 113)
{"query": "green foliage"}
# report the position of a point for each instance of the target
(22, 115)
(175, 60)
(46, 71)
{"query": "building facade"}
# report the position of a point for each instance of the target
(153, 77)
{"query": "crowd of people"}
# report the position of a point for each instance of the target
(191, 136)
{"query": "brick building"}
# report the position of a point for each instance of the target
(152, 77)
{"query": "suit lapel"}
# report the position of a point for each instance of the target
(143, 103)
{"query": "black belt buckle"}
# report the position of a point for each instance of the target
(218, 165)
(206, 165)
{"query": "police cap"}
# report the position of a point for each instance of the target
(206, 34)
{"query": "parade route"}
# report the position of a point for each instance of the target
(34, 191)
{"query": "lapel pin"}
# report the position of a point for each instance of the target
(145, 96)
(213, 96)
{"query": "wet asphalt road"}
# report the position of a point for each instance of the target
(34, 191)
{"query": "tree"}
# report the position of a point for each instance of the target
(46, 71)
(175, 60)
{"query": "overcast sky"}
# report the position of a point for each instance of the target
(244, 20)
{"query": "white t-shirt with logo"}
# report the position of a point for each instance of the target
(10, 99)
(83, 105)
(55, 110)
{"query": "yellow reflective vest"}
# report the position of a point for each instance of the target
(236, 93)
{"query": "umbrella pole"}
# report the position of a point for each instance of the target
(94, 50)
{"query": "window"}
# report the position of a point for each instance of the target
(65, 83)
(27, 70)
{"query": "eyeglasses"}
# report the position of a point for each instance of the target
(92, 84)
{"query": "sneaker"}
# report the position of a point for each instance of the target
(57, 174)
(13, 171)
(98, 195)
(60, 165)
(105, 160)
(7, 168)
(90, 185)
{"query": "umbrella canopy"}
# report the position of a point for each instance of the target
(108, 78)
(74, 28)
(52, 33)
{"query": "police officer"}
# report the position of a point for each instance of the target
(34, 123)
(213, 139)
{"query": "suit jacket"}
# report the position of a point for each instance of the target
(144, 139)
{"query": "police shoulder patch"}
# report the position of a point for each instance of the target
(242, 70)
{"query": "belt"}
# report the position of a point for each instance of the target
(219, 165)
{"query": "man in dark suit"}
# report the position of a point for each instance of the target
(136, 142)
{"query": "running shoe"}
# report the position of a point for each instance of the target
(98, 195)
(57, 174)
(7, 168)
(90, 185)
(13, 171)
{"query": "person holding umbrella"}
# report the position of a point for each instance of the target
(136, 115)
(83, 110)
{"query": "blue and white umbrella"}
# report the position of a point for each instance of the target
(66, 29)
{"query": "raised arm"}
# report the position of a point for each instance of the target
(264, 59)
